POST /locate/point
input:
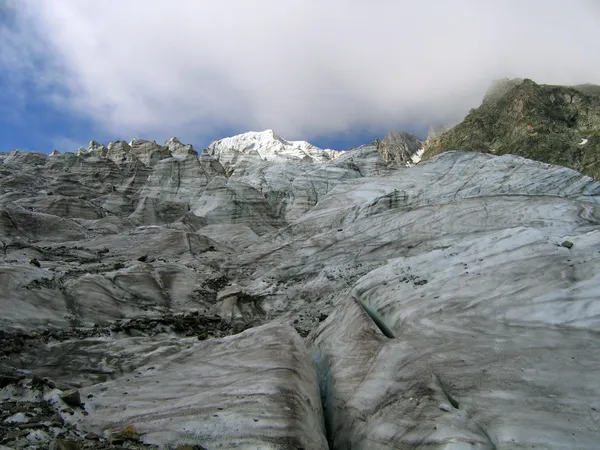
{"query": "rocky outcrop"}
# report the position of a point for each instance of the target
(399, 147)
(553, 124)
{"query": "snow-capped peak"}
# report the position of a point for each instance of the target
(269, 147)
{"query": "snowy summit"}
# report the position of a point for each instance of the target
(269, 147)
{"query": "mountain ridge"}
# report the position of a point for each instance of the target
(553, 124)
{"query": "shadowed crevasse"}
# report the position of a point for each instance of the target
(387, 332)
(321, 361)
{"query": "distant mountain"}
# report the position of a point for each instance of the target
(553, 124)
(396, 149)
(268, 146)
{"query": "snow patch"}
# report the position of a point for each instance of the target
(416, 158)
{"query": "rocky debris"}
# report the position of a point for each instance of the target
(185, 324)
(217, 284)
(31, 419)
(128, 433)
(35, 262)
(64, 444)
(11, 343)
(192, 323)
(15, 342)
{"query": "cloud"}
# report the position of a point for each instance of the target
(302, 67)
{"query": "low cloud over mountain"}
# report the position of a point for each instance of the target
(304, 68)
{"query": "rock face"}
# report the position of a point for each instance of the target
(267, 294)
(399, 147)
(553, 124)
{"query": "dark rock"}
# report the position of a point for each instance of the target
(71, 398)
(5, 380)
(190, 447)
(12, 435)
(38, 382)
(567, 244)
(64, 444)
(35, 262)
(31, 425)
(19, 409)
(93, 437)
(13, 349)
(143, 258)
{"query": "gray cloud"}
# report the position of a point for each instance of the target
(302, 67)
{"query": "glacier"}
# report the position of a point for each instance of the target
(236, 297)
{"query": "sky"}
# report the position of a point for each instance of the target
(337, 73)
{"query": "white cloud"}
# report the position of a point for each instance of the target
(301, 67)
